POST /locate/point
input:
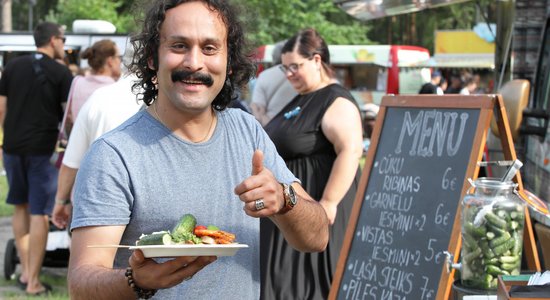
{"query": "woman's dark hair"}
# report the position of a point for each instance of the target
(44, 31)
(146, 45)
(98, 53)
(309, 43)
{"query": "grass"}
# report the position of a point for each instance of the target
(5, 209)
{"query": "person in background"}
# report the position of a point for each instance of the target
(479, 88)
(470, 86)
(104, 59)
(319, 135)
(271, 91)
(370, 112)
(442, 86)
(105, 109)
(75, 69)
(431, 87)
(33, 89)
(239, 102)
(455, 86)
(186, 153)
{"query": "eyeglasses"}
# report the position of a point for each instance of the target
(62, 38)
(292, 68)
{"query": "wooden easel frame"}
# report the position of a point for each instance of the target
(489, 105)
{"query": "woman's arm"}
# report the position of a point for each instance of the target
(341, 125)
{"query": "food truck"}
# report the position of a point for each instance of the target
(372, 71)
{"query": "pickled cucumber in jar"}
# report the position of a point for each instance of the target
(492, 233)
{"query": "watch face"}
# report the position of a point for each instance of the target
(292, 195)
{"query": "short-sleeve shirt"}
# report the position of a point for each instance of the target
(144, 177)
(272, 91)
(34, 97)
(105, 109)
(83, 87)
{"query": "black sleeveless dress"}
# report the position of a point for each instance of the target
(285, 272)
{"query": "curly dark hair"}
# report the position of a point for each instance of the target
(146, 44)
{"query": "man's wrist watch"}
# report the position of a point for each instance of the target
(290, 198)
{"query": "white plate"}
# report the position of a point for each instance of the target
(189, 250)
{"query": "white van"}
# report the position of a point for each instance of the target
(85, 33)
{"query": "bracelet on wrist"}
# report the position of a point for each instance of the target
(63, 201)
(141, 293)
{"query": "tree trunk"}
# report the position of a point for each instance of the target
(6, 16)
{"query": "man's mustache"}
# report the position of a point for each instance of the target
(192, 76)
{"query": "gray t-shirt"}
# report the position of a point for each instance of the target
(143, 176)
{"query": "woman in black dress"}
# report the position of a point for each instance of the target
(319, 135)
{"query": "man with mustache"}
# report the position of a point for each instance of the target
(186, 153)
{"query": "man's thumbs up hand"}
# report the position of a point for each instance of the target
(261, 193)
(257, 162)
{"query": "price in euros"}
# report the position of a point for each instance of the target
(427, 293)
(448, 182)
(441, 217)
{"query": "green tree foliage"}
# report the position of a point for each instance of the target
(20, 13)
(419, 28)
(276, 20)
(67, 11)
(267, 21)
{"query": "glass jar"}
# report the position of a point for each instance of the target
(492, 233)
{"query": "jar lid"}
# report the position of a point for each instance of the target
(534, 202)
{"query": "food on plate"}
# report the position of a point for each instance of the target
(183, 231)
(187, 231)
(156, 238)
(213, 236)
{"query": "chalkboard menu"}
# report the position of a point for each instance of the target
(423, 151)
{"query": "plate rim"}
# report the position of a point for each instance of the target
(190, 246)
(159, 251)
